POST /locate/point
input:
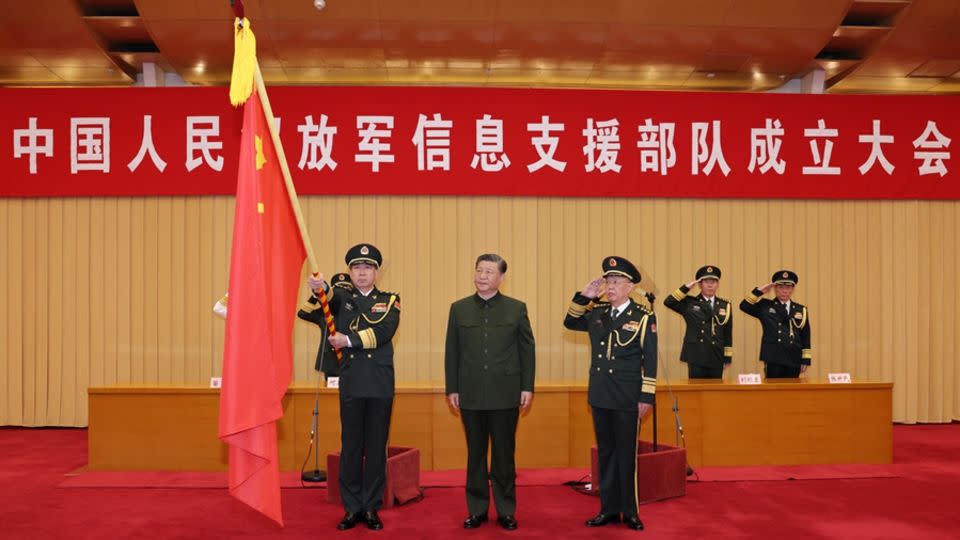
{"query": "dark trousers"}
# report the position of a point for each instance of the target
(364, 425)
(779, 371)
(497, 428)
(616, 433)
(701, 372)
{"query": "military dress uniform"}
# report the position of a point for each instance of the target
(623, 373)
(708, 341)
(490, 359)
(366, 383)
(785, 345)
(326, 356)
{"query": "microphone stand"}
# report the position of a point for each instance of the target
(678, 425)
(316, 475)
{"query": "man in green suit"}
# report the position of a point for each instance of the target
(490, 362)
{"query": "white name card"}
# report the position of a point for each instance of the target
(333, 382)
(215, 382)
(749, 378)
(839, 378)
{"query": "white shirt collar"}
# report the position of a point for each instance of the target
(622, 306)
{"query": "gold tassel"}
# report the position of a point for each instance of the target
(244, 62)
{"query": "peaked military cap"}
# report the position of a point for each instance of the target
(364, 253)
(785, 277)
(618, 266)
(342, 281)
(708, 272)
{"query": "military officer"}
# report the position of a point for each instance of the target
(785, 346)
(708, 343)
(489, 366)
(326, 357)
(623, 379)
(366, 320)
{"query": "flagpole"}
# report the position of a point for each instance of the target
(294, 201)
(287, 178)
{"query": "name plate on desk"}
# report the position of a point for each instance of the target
(333, 382)
(839, 378)
(749, 378)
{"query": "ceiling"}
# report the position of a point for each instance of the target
(900, 46)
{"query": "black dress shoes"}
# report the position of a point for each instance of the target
(633, 522)
(373, 520)
(473, 522)
(507, 522)
(600, 520)
(349, 520)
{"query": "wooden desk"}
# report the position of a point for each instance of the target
(175, 428)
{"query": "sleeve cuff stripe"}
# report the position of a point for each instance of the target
(368, 339)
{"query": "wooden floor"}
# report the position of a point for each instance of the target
(789, 422)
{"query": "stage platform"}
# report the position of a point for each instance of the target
(782, 423)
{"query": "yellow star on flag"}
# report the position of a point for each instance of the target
(258, 142)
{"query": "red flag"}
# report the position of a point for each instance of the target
(265, 264)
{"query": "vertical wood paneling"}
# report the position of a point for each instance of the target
(177, 344)
(120, 290)
(63, 298)
(96, 301)
(11, 301)
(43, 222)
(81, 314)
(30, 312)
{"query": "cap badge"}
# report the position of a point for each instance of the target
(613, 262)
(364, 250)
(709, 269)
(786, 274)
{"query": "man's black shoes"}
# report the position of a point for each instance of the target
(600, 520)
(349, 520)
(473, 522)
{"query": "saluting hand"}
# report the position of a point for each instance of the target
(692, 283)
(592, 289)
(766, 288)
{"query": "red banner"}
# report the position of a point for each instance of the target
(480, 141)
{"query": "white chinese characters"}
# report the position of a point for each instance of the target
(201, 131)
(32, 142)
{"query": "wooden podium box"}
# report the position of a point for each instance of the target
(403, 476)
(660, 475)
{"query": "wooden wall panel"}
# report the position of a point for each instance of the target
(120, 290)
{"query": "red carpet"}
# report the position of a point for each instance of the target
(918, 503)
